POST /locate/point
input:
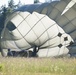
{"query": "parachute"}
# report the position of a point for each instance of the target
(47, 28)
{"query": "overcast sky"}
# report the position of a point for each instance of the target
(5, 2)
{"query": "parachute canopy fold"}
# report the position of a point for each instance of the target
(49, 26)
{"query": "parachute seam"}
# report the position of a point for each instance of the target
(19, 25)
(33, 27)
(47, 34)
(45, 31)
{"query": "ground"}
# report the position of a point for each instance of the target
(37, 66)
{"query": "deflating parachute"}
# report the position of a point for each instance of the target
(48, 28)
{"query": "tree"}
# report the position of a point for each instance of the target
(3, 16)
(11, 4)
(19, 4)
(36, 1)
(4, 12)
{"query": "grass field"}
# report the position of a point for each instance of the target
(37, 66)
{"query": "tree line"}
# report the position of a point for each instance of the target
(11, 6)
(5, 11)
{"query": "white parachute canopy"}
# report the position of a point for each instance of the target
(49, 26)
(35, 29)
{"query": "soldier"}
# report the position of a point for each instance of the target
(9, 53)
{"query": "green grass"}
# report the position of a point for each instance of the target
(37, 66)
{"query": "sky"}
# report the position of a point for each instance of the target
(5, 2)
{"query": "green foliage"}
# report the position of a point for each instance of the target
(11, 4)
(19, 4)
(6, 11)
(1, 67)
(36, 1)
